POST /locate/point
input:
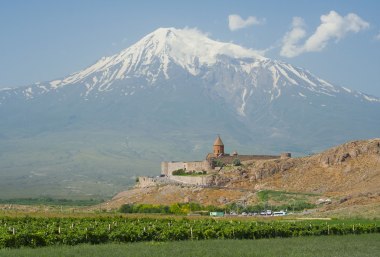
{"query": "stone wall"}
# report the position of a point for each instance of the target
(286, 155)
(168, 167)
(227, 159)
(193, 180)
(146, 182)
(198, 166)
(203, 180)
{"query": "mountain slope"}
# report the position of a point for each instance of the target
(165, 98)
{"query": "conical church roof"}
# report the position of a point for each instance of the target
(218, 141)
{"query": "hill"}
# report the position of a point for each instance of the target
(347, 175)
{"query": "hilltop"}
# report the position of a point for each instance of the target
(347, 175)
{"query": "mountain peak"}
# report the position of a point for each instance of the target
(193, 41)
(188, 48)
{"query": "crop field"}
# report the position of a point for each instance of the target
(364, 245)
(42, 231)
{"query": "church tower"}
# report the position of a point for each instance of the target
(218, 147)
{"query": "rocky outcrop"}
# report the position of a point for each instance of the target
(267, 169)
(339, 169)
(353, 149)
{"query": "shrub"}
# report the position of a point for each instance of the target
(236, 162)
(179, 172)
(217, 163)
(126, 208)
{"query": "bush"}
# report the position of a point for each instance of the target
(217, 163)
(179, 172)
(177, 208)
(236, 162)
(126, 208)
(183, 172)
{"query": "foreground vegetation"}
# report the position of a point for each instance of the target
(51, 201)
(350, 245)
(177, 208)
(186, 208)
(35, 232)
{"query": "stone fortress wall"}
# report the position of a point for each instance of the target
(168, 167)
(228, 159)
(204, 180)
(146, 181)
(193, 180)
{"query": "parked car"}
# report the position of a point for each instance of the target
(279, 213)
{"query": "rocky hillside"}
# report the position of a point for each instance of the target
(348, 174)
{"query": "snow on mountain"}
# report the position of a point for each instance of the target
(187, 48)
(233, 72)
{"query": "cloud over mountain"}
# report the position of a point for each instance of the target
(333, 27)
(236, 22)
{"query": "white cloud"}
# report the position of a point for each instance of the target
(333, 26)
(291, 38)
(377, 37)
(236, 22)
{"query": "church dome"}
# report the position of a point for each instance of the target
(218, 141)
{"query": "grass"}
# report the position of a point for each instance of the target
(50, 201)
(350, 245)
(295, 201)
(279, 196)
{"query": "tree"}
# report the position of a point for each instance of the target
(126, 208)
(217, 163)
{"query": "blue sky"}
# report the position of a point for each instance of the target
(338, 41)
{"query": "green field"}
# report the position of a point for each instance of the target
(348, 245)
(30, 231)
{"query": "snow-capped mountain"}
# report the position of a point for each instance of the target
(152, 55)
(231, 71)
(178, 88)
(249, 84)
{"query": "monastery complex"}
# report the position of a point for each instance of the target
(200, 172)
